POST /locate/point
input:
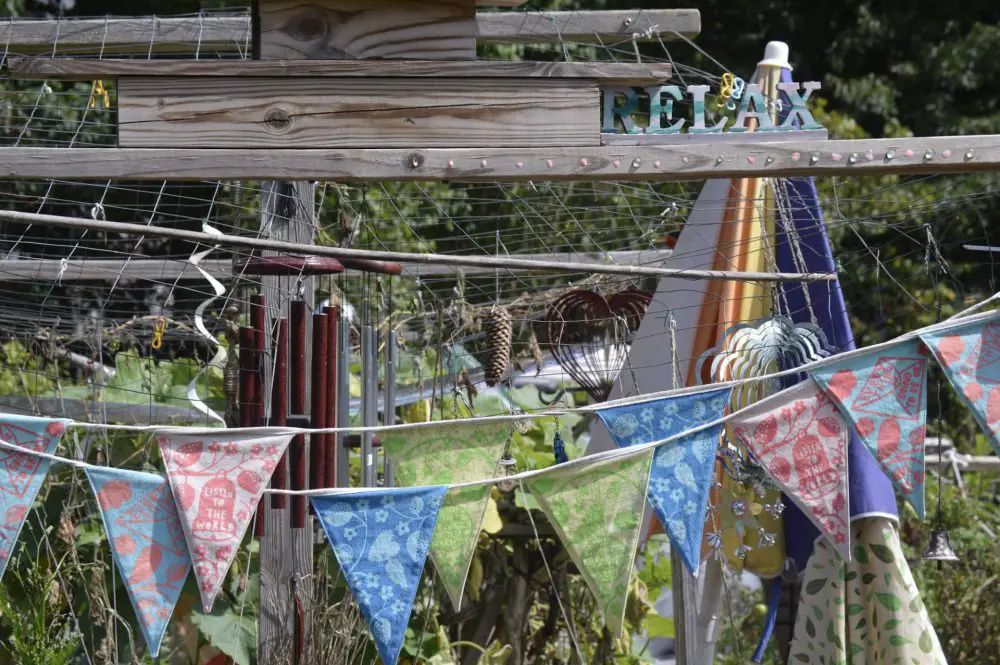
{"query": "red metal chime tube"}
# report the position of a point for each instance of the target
(297, 457)
(248, 397)
(258, 319)
(332, 358)
(320, 387)
(279, 406)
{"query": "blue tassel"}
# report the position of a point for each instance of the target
(559, 449)
(774, 588)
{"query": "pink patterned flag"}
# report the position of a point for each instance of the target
(21, 475)
(217, 479)
(801, 439)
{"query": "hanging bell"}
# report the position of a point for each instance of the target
(939, 548)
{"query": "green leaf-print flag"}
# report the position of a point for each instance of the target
(596, 508)
(449, 454)
(381, 540)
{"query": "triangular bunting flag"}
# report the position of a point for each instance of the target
(444, 455)
(147, 540)
(800, 438)
(21, 475)
(884, 394)
(381, 540)
(217, 479)
(970, 357)
(596, 508)
(682, 471)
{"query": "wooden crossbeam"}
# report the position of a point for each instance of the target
(168, 271)
(78, 69)
(675, 162)
(231, 34)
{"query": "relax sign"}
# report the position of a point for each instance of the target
(621, 104)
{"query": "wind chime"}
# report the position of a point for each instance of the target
(289, 368)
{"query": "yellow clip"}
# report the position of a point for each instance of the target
(726, 88)
(100, 92)
(158, 329)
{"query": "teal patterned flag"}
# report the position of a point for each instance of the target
(147, 541)
(970, 357)
(381, 539)
(884, 395)
(682, 471)
(22, 474)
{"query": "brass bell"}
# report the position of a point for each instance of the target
(939, 548)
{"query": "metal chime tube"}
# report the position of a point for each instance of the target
(255, 412)
(297, 386)
(330, 449)
(389, 399)
(369, 404)
(343, 400)
(320, 352)
(279, 406)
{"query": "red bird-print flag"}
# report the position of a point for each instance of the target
(800, 438)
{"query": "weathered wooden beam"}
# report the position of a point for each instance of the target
(662, 163)
(213, 33)
(359, 113)
(588, 27)
(108, 270)
(167, 271)
(79, 69)
(277, 246)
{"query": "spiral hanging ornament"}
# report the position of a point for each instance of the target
(499, 335)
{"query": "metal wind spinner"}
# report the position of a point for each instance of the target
(747, 351)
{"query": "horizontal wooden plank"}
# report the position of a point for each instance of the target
(372, 113)
(170, 271)
(913, 155)
(79, 69)
(226, 33)
(107, 270)
(588, 27)
(406, 258)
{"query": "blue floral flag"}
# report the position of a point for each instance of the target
(147, 541)
(884, 394)
(22, 474)
(970, 358)
(381, 539)
(681, 475)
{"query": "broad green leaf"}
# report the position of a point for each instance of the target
(657, 626)
(890, 601)
(230, 633)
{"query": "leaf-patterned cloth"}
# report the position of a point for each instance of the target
(596, 508)
(970, 358)
(446, 455)
(867, 611)
(682, 471)
(21, 475)
(381, 540)
(147, 541)
(885, 395)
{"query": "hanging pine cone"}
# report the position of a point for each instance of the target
(499, 333)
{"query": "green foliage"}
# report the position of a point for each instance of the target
(39, 630)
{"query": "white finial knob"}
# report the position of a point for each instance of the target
(775, 55)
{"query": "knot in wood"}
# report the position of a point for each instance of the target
(309, 26)
(277, 120)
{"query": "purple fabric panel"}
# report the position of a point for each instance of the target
(870, 490)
